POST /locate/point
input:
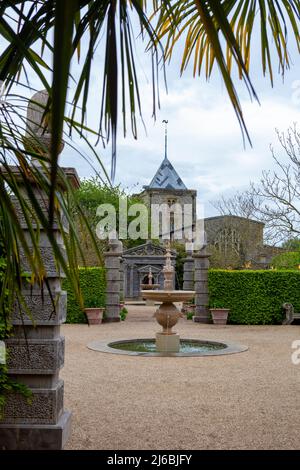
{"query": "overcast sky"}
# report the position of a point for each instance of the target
(205, 141)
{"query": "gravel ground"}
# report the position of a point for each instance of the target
(249, 400)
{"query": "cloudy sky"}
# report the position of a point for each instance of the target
(205, 141)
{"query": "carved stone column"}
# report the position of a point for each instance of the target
(112, 264)
(36, 352)
(188, 272)
(201, 286)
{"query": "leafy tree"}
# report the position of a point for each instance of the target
(292, 244)
(91, 194)
(289, 260)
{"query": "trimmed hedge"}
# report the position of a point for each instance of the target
(254, 297)
(92, 283)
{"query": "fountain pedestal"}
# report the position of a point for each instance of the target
(167, 343)
(167, 314)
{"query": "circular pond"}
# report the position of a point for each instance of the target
(146, 347)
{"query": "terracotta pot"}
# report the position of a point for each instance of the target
(219, 315)
(94, 315)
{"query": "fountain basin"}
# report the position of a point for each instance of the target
(149, 286)
(147, 347)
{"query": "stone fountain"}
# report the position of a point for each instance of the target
(150, 286)
(167, 314)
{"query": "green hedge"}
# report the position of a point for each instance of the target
(254, 297)
(92, 283)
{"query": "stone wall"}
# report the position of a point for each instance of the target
(249, 233)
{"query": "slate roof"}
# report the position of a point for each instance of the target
(166, 177)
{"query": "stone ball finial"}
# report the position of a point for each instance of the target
(115, 245)
(38, 125)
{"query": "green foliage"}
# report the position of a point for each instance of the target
(91, 194)
(254, 297)
(181, 254)
(289, 260)
(7, 385)
(123, 313)
(91, 302)
(293, 244)
(189, 315)
(217, 304)
(92, 284)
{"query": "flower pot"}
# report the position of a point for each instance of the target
(219, 315)
(186, 307)
(94, 315)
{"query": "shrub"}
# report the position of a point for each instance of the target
(189, 315)
(92, 283)
(254, 297)
(123, 313)
(289, 260)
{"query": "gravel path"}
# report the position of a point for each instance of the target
(249, 400)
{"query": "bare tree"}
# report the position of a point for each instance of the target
(275, 200)
(241, 204)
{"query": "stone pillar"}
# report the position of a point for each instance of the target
(36, 352)
(122, 294)
(188, 272)
(112, 264)
(201, 286)
(131, 273)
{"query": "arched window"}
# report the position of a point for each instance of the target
(228, 240)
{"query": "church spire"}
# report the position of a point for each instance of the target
(166, 138)
(166, 176)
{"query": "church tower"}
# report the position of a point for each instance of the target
(166, 187)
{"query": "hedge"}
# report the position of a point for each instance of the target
(92, 283)
(254, 297)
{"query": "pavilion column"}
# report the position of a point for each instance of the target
(112, 264)
(188, 272)
(122, 295)
(201, 260)
(36, 352)
(131, 279)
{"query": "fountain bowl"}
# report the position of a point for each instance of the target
(168, 296)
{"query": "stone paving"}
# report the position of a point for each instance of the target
(241, 401)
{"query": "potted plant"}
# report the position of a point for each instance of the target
(188, 306)
(93, 311)
(219, 313)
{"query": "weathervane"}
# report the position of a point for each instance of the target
(166, 136)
